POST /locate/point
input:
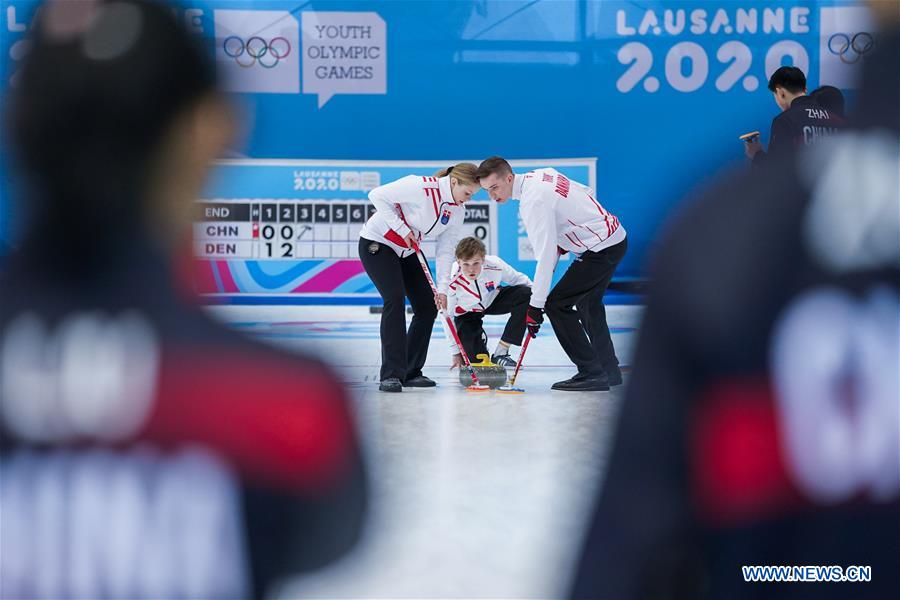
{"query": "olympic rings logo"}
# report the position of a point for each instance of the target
(256, 50)
(841, 45)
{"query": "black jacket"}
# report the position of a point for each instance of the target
(172, 456)
(803, 124)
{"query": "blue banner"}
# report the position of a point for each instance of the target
(658, 91)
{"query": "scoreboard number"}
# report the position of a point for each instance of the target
(268, 233)
(287, 241)
(287, 213)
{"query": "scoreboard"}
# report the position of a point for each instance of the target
(288, 230)
(276, 229)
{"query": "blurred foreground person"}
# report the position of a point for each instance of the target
(147, 452)
(762, 423)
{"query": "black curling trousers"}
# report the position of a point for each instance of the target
(584, 334)
(512, 300)
(403, 353)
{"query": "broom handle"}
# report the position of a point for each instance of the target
(527, 341)
(450, 325)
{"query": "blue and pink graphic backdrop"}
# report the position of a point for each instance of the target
(657, 90)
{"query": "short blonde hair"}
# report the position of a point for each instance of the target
(470, 247)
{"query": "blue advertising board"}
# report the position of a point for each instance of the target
(658, 91)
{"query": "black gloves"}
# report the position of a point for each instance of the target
(533, 320)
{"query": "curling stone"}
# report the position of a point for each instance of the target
(488, 373)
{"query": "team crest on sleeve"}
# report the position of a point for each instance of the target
(490, 286)
(445, 216)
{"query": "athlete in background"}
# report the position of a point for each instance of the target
(830, 98)
(802, 122)
(147, 452)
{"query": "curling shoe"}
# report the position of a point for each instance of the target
(391, 384)
(504, 360)
(419, 381)
(583, 383)
(614, 376)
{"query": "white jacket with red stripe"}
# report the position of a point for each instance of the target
(423, 205)
(475, 295)
(560, 215)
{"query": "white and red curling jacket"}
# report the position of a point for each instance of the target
(423, 205)
(560, 216)
(475, 295)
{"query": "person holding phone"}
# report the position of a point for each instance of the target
(802, 122)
